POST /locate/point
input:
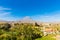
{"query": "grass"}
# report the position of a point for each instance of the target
(49, 37)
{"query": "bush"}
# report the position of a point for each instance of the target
(19, 32)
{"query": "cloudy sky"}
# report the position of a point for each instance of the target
(40, 10)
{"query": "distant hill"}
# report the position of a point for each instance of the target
(26, 20)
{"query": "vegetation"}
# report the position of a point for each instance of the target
(23, 31)
(49, 37)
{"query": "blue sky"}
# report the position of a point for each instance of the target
(40, 10)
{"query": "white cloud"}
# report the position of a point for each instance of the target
(53, 17)
(3, 11)
(3, 8)
(4, 15)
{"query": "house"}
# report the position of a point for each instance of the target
(48, 30)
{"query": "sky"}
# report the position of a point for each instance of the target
(39, 10)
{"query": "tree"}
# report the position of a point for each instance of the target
(36, 24)
(6, 26)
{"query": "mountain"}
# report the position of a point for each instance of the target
(27, 19)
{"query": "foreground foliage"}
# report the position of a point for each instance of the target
(25, 31)
(19, 32)
(49, 37)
